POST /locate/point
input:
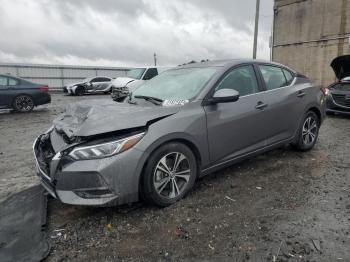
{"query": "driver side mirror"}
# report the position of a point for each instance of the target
(224, 96)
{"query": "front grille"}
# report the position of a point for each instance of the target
(342, 99)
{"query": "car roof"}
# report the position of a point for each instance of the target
(230, 63)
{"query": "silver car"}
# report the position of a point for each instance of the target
(181, 125)
(98, 84)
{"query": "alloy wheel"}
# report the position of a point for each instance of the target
(310, 130)
(171, 175)
(24, 103)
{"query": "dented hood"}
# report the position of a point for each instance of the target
(122, 81)
(341, 66)
(104, 116)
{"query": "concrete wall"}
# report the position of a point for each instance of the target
(56, 76)
(309, 34)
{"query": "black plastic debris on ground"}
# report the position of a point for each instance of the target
(22, 217)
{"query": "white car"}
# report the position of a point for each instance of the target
(98, 84)
(122, 86)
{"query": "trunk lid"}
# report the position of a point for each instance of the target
(341, 66)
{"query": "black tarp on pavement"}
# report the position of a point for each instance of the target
(22, 217)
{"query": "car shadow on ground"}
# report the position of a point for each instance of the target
(249, 208)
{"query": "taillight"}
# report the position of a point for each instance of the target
(325, 91)
(44, 88)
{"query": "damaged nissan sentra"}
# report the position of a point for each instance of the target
(183, 124)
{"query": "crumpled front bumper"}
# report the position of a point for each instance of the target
(77, 183)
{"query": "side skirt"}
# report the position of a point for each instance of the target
(240, 158)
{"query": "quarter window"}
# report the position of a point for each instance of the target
(273, 77)
(289, 76)
(3, 81)
(242, 79)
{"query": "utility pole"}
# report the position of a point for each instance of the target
(155, 59)
(256, 30)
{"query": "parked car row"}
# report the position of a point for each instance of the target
(22, 95)
(118, 87)
(181, 125)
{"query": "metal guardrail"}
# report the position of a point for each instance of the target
(57, 76)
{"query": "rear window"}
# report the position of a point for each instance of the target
(13, 82)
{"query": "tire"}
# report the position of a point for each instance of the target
(308, 132)
(160, 185)
(80, 90)
(23, 103)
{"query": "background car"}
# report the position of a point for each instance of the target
(22, 95)
(338, 99)
(186, 123)
(121, 86)
(98, 84)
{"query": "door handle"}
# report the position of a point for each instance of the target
(261, 105)
(301, 94)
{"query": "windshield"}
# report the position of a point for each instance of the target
(135, 73)
(179, 84)
(346, 78)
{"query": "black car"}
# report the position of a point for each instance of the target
(338, 99)
(22, 95)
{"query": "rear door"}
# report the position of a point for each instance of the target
(285, 102)
(237, 128)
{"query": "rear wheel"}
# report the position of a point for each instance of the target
(169, 174)
(308, 132)
(23, 103)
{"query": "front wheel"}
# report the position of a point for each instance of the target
(23, 103)
(80, 90)
(169, 174)
(308, 132)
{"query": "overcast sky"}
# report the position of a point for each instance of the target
(128, 32)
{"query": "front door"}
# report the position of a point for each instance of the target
(237, 128)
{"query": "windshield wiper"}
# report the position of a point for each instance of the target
(154, 100)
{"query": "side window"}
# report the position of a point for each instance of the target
(151, 72)
(289, 76)
(273, 77)
(242, 79)
(95, 80)
(13, 82)
(3, 81)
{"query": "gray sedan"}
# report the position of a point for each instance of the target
(181, 125)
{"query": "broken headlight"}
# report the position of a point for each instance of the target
(105, 149)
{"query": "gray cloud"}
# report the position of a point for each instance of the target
(127, 32)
